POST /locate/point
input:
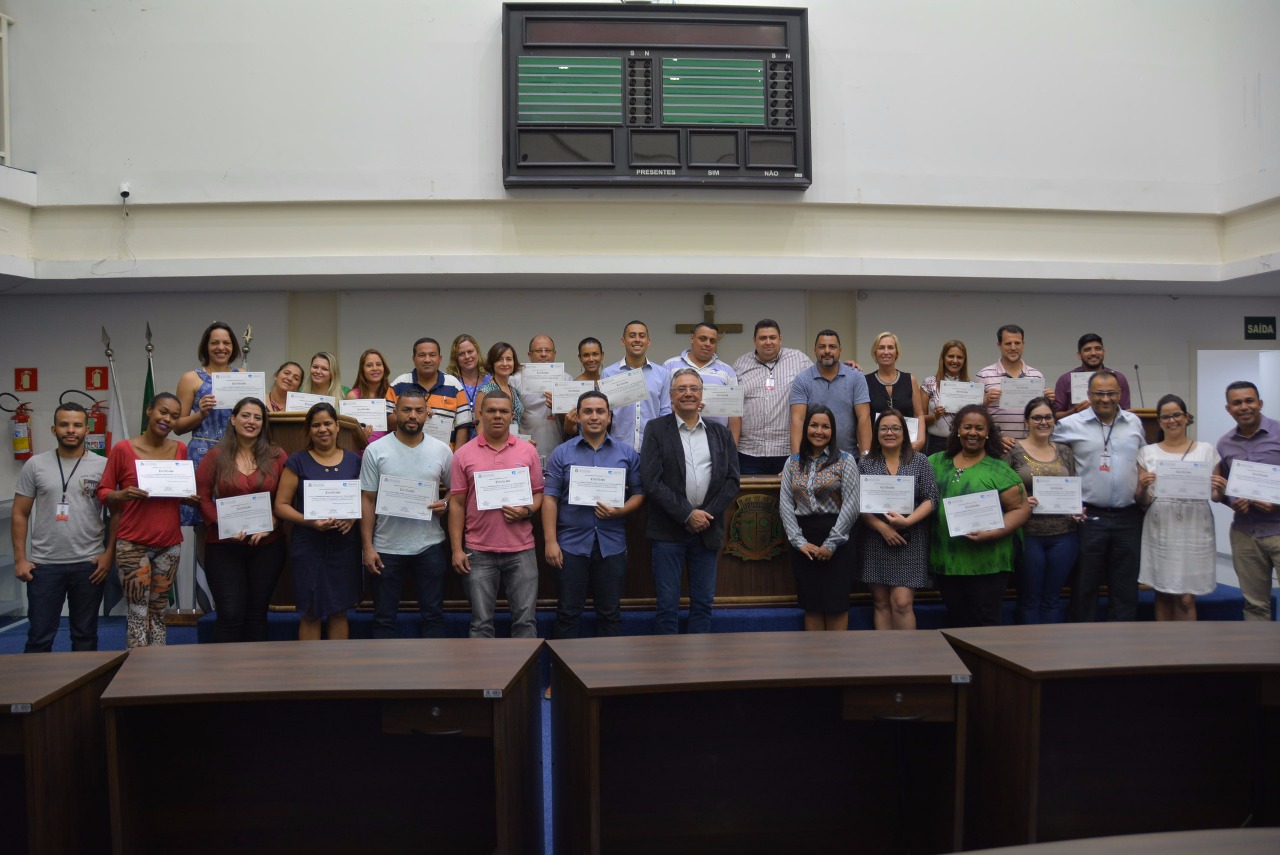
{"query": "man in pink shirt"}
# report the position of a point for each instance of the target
(496, 544)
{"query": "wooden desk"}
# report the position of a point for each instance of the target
(53, 762)
(327, 746)
(1230, 841)
(758, 742)
(1086, 730)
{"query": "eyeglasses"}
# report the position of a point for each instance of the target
(1041, 419)
(682, 390)
(890, 429)
(1115, 393)
(1173, 417)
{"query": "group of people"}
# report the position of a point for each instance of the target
(821, 424)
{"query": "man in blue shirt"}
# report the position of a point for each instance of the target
(832, 383)
(1106, 441)
(629, 419)
(588, 545)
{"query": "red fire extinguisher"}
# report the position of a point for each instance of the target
(97, 436)
(19, 426)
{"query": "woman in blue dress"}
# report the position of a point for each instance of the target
(218, 349)
(324, 555)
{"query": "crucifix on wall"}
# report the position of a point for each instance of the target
(709, 317)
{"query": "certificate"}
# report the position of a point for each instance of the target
(591, 484)
(439, 427)
(1056, 495)
(499, 487)
(538, 376)
(954, 394)
(722, 400)
(250, 514)
(406, 497)
(913, 428)
(1017, 392)
(1182, 479)
(974, 512)
(1257, 481)
(879, 494)
(300, 402)
(166, 478)
(230, 386)
(367, 411)
(331, 500)
(564, 394)
(626, 387)
(1080, 386)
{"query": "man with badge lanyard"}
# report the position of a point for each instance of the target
(629, 420)
(763, 434)
(55, 502)
(1106, 441)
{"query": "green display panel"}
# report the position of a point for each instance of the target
(712, 91)
(569, 90)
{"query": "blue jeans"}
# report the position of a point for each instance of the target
(604, 576)
(427, 568)
(518, 573)
(669, 560)
(51, 584)
(1046, 564)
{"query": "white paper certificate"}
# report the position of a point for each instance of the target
(1258, 481)
(166, 478)
(591, 484)
(722, 400)
(879, 494)
(1080, 386)
(230, 386)
(538, 376)
(954, 394)
(913, 428)
(974, 512)
(250, 514)
(626, 387)
(1056, 495)
(331, 500)
(564, 394)
(1016, 392)
(439, 427)
(406, 497)
(1182, 479)
(367, 411)
(300, 402)
(499, 487)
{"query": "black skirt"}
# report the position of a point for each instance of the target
(823, 586)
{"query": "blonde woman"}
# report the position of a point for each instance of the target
(323, 379)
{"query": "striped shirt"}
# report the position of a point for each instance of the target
(1009, 421)
(717, 372)
(446, 398)
(766, 414)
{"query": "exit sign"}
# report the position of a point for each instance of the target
(1260, 328)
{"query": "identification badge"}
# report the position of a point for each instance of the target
(63, 512)
(770, 384)
(1105, 465)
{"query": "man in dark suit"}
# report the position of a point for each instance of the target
(689, 468)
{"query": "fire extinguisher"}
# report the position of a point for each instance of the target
(97, 436)
(19, 426)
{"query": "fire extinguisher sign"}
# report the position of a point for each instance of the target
(26, 380)
(95, 378)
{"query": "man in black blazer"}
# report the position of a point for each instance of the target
(690, 472)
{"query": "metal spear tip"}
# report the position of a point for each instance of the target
(148, 334)
(106, 339)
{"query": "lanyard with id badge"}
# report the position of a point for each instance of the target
(1105, 464)
(63, 512)
(770, 384)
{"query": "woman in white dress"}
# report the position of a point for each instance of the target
(1178, 546)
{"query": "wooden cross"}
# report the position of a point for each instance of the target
(709, 316)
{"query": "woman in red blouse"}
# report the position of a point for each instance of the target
(242, 568)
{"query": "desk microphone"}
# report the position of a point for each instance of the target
(1137, 376)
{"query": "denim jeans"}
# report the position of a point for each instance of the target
(518, 573)
(749, 465)
(50, 585)
(669, 560)
(604, 577)
(242, 579)
(428, 568)
(1046, 564)
(1110, 549)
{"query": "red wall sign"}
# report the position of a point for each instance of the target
(26, 380)
(95, 378)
